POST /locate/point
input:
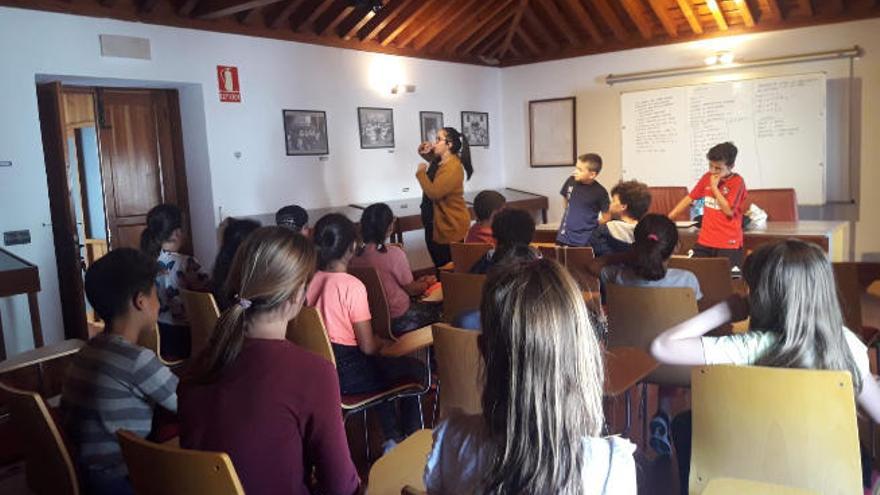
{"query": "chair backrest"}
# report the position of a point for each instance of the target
(791, 427)
(459, 367)
(466, 254)
(461, 292)
(307, 331)
(49, 468)
(153, 341)
(731, 486)
(202, 311)
(548, 250)
(713, 275)
(852, 279)
(575, 259)
(156, 469)
(664, 199)
(637, 315)
(780, 204)
(378, 301)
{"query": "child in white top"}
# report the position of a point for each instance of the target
(542, 398)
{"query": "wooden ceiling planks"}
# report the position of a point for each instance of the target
(493, 32)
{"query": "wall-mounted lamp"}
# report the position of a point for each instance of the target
(403, 88)
(725, 57)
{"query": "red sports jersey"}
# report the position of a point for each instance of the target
(718, 230)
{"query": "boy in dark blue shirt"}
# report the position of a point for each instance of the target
(585, 200)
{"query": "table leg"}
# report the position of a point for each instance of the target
(36, 327)
(2, 341)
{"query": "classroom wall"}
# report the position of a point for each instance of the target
(598, 108)
(274, 75)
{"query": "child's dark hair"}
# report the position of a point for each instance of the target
(459, 145)
(375, 221)
(293, 217)
(235, 233)
(635, 195)
(593, 161)
(655, 239)
(723, 152)
(115, 279)
(334, 235)
(511, 228)
(488, 202)
(162, 221)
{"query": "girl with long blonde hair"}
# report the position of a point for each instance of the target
(273, 407)
(542, 397)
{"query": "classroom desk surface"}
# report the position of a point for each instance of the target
(41, 355)
(517, 198)
(351, 213)
(404, 465)
(18, 276)
(625, 367)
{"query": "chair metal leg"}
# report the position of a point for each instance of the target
(366, 436)
(644, 412)
(436, 404)
(627, 405)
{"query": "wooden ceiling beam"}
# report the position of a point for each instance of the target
(745, 12)
(147, 6)
(488, 46)
(717, 14)
(583, 18)
(538, 27)
(354, 21)
(661, 10)
(806, 7)
(279, 18)
(480, 24)
(306, 21)
(528, 41)
(633, 8)
(107, 3)
(372, 28)
(250, 17)
(611, 19)
(688, 11)
(464, 8)
(486, 32)
(332, 17)
(559, 22)
(403, 21)
(514, 25)
(465, 26)
(430, 18)
(186, 7)
(224, 8)
(770, 8)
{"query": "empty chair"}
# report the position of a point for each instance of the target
(791, 427)
(201, 309)
(461, 292)
(713, 275)
(158, 469)
(466, 254)
(49, 469)
(780, 204)
(458, 368)
(664, 199)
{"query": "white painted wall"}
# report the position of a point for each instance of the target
(598, 105)
(274, 75)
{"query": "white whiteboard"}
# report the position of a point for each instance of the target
(778, 125)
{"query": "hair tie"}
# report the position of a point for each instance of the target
(653, 237)
(244, 302)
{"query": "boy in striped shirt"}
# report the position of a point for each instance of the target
(113, 383)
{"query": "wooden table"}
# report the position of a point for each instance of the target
(17, 276)
(404, 465)
(39, 356)
(625, 367)
(353, 214)
(517, 198)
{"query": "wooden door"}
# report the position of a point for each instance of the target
(141, 159)
(53, 129)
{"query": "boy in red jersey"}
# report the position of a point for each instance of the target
(724, 194)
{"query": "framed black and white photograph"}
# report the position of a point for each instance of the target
(305, 132)
(431, 123)
(552, 133)
(475, 126)
(376, 127)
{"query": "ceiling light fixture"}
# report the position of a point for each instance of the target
(724, 57)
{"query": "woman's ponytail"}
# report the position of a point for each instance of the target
(460, 146)
(655, 239)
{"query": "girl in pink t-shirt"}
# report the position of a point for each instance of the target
(393, 268)
(342, 301)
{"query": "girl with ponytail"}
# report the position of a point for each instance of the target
(273, 407)
(447, 220)
(390, 262)
(162, 240)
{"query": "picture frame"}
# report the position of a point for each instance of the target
(475, 126)
(430, 123)
(305, 132)
(376, 127)
(552, 132)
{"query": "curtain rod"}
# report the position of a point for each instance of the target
(851, 53)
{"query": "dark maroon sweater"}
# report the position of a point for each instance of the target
(276, 412)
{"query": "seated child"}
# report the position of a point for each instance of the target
(121, 288)
(234, 233)
(486, 205)
(585, 202)
(162, 240)
(293, 217)
(630, 201)
(541, 386)
(391, 264)
(513, 230)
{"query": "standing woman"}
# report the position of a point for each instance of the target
(447, 220)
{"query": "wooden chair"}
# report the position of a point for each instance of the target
(576, 259)
(780, 204)
(403, 468)
(202, 311)
(731, 486)
(852, 280)
(157, 469)
(466, 254)
(459, 367)
(461, 292)
(664, 199)
(95, 250)
(378, 301)
(152, 341)
(307, 331)
(49, 469)
(791, 427)
(713, 275)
